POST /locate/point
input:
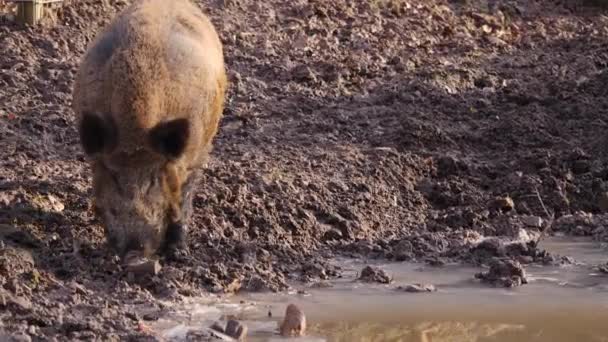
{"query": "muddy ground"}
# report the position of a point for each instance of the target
(386, 129)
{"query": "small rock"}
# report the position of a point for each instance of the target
(489, 247)
(448, 165)
(77, 288)
(502, 204)
(255, 284)
(567, 260)
(532, 221)
(333, 234)
(403, 251)
(516, 248)
(375, 275)
(55, 203)
(236, 330)
(144, 267)
(206, 335)
(19, 255)
(234, 286)
(294, 323)
(417, 288)
(504, 272)
(153, 316)
(48, 203)
(218, 326)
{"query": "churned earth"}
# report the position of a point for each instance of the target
(388, 129)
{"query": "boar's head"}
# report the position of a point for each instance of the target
(143, 199)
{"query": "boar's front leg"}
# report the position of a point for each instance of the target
(176, 247)
(176, 235)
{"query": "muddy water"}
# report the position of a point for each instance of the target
(565, 303)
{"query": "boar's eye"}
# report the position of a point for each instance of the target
(96, 133)
(170, 138)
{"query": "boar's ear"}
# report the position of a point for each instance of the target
(96, 133)
(170, 138)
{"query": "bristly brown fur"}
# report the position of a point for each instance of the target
(157, 63)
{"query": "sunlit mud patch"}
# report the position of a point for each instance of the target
(560, 303)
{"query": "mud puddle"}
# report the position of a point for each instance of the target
(560, 303)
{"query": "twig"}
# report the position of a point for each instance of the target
(541, 202)
(550, 217)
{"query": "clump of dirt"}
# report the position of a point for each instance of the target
(379, 129)
(524, 252)
(372, 274)
(504, 273)
(582, 223)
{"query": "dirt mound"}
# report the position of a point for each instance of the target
(381, 128)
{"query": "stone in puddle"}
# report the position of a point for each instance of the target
(504, 272)
(236, 330)
(219, 327)
(372, 274)
(417, 288)
(294, 323)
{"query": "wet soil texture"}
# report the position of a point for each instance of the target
(390, 129)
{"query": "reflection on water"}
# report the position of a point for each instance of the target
(565, 303)
(544, 325)
(447, 331)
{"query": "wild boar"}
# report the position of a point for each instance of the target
(148, 97)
